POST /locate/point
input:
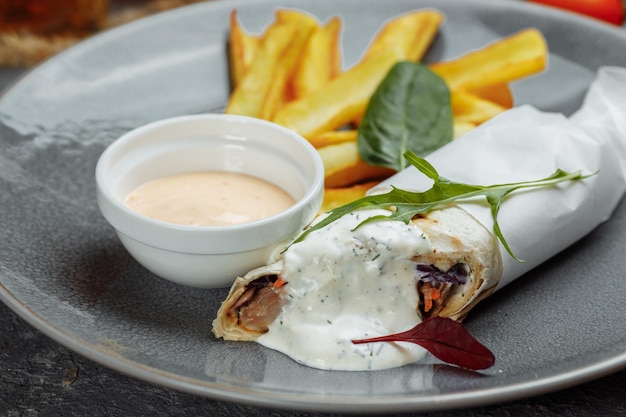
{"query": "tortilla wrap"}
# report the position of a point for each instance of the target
(459, 244)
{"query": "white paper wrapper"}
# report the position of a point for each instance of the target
(525, 144)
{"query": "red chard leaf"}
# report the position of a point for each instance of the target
(447, 340)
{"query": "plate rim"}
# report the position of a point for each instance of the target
(281, 400)
(319, 403)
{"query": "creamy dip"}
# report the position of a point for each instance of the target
(211, 198)
(350, 284)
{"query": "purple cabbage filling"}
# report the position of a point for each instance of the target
(262, 282)
(457, 274)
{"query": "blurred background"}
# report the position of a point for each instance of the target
(33, 30)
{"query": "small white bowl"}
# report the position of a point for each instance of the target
(206, 256)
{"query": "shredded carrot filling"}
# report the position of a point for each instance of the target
(435, 294)
(279, 282)
(430, 294)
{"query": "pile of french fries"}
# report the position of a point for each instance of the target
(292, 74)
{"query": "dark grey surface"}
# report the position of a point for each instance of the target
(37, 375)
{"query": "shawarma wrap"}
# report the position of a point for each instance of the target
(521, 144)
(343, 282)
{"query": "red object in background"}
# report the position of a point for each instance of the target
(611, 11)
(47, 17)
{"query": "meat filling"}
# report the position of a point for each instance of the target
(260, 303)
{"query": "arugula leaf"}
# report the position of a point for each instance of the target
(404, 205)
(409, 111)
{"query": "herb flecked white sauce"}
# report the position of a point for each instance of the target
(350, 284)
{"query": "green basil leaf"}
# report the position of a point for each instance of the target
(409, 111)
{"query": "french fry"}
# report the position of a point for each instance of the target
(295, 16)
(343, 166)
(498, 93)
(469, 108)
(250, 94)
(335, 197)
(278, 93)
(320, 61)
(339, 101)
(411, 34)
(461, 128)
(357, 173)
(338, 156)
(514, 57)
(241, 47)
(356, 122)
(334, 137)
(261, 90)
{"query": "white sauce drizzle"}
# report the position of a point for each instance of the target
(350, 284)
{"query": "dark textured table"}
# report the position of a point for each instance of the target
(39, 377)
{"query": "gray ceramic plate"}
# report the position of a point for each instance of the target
(64, 271)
